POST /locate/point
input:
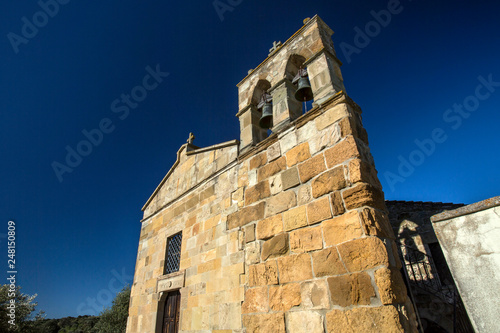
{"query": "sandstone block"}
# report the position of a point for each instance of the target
(263, 274)
(304, 322)
(271, 169)
(237, 197)
(311, 168)
(360, 171)
(346, 127)
(336, 113)
(390, 286)
(209, 266)
(364, 253)
(256, 300)
(342, 228)
(249, 233)
(290, 178)
(298, 154)
(257, 192)
(342, 151)
(319, 210)
(275, 247)
(258, 161)
(246, 215)
(284, 297)
(211, 222)
(269, 227)
(331, 180)
(314, 295)
(394, 259)
(304, 194)
(363, 195)
(351, 289)
(275, 184)
(192, 202)
(349, 126)
(252, 253)
(273, 152)
(243, 175)
(295, 218)
(327, 138)
(207, 193)
(365, 319)
(327, 262)
(305, 240)
(294, 268)
(337, 203)
(190, 222)
(288, 140)
(230, 315)
(281, 202)
(306, 132)
(265, 323)
(376, 223)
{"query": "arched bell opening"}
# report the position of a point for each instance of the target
(262, 104)
(295, 62)
(297, 74)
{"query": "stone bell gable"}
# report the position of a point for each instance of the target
(312, 47)
(281, 233)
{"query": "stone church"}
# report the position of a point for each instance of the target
(280, 232)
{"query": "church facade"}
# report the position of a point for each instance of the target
(286, 232)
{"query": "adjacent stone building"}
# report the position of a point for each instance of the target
(286, 232)
(470, 239)
(432, 288)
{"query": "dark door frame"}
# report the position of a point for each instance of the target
(162, 306)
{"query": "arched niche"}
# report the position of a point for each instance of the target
(260, 88)
(293, 64)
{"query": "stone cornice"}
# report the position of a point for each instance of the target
(213, 147)
(184, 146)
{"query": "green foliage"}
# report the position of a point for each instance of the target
(114, 319)
(111, 320)
(24, 308)
(81, 324)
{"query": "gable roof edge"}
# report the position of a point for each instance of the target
(184, 146)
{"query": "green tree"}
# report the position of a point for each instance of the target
(114, 319)
(16, 311)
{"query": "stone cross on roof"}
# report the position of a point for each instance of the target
(191, 138)
(276, 46)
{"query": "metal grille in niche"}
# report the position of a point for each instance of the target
(173, 253)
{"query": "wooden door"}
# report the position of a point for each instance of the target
(171, 312)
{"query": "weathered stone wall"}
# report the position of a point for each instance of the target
(209, 252)
(296, 230)
(322, 257)
(412, 218)
(470, 239)
(412, 226)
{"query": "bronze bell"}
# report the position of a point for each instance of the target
(304, 92)
(266, 120)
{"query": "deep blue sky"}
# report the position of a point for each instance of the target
(72, 235)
